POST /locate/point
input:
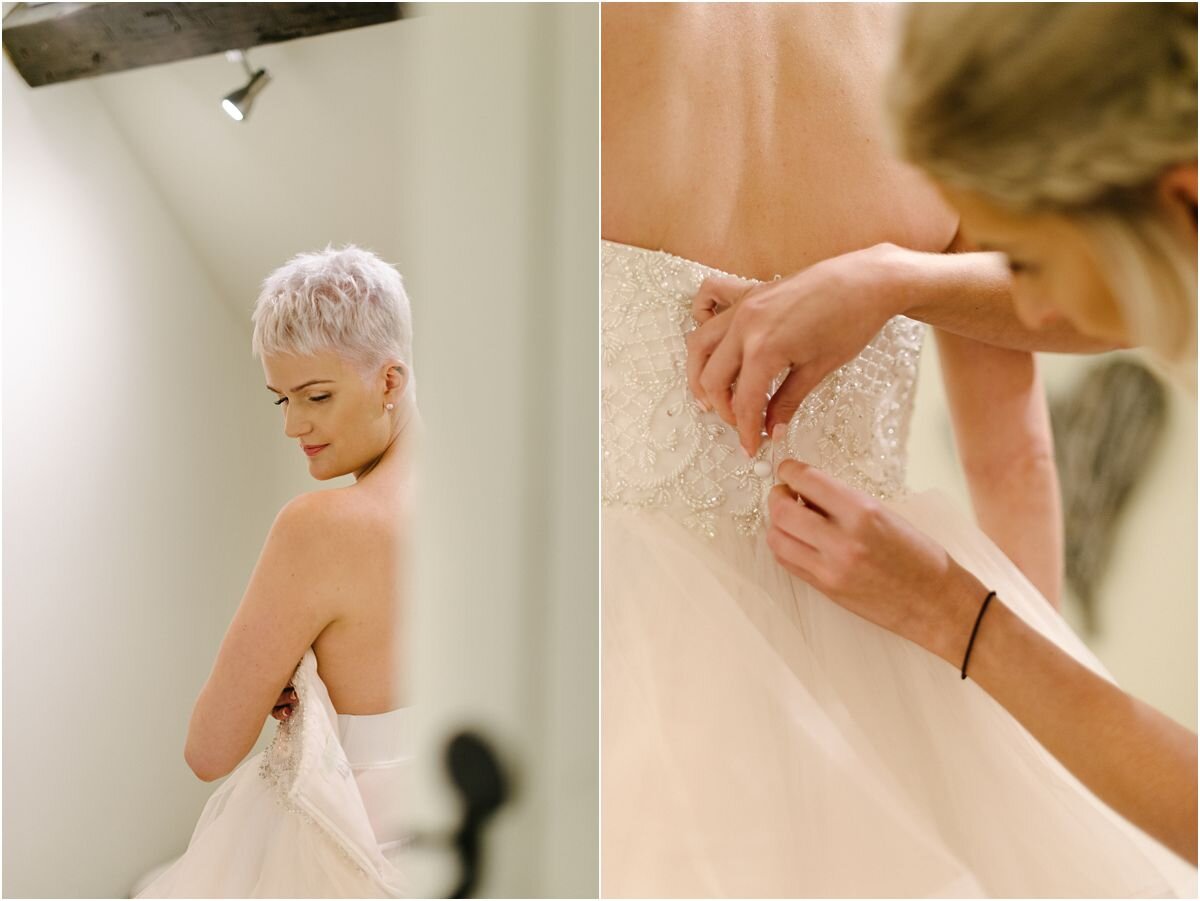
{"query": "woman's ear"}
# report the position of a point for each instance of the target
(395, 377)
(1177, 188)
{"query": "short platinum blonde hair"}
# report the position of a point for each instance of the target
(348, 301)
(1070, 108)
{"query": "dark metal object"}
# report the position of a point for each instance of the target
(482, 786)
(54, 42)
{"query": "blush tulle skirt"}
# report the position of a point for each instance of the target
(758, 740)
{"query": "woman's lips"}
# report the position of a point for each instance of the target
(313, 449)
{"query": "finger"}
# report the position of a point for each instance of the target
(716, 294)
(794, 556)
(789, 396)
(803, 502)
(799, 521)
(818, 488)
(721, 371)
(700, 344)
(750, 403)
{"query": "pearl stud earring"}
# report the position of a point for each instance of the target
(390, 406)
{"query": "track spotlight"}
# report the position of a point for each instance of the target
(238, 104)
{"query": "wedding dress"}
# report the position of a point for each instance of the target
(313, 815)
(757, 738)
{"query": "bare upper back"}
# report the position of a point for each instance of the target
(360, 655)
(751, 137)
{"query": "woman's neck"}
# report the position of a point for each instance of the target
(395, 458)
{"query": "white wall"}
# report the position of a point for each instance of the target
(139, 481)
(322, 157)
(507, 637)
(1147, 602)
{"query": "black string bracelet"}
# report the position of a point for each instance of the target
(975, 631)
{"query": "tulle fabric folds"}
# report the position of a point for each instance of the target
(759, 740)
(292, 820)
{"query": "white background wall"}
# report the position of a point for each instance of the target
(140, 476)
(1147, 601)
(508, 383)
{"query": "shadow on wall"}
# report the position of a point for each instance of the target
(1105, 433)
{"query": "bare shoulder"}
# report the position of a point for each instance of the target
(339, 516)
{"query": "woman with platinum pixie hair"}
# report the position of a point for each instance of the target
(318, 813)
(1065, 135)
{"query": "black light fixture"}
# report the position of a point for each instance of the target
(237, 105)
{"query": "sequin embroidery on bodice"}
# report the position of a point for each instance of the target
(660, 450)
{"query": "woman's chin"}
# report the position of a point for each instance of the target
(323, 472)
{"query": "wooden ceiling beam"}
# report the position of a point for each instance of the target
(54, 42)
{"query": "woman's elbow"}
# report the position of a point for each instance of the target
(205, 768)
(1033, 464)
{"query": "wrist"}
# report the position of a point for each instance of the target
(952, 610)
(892, 273)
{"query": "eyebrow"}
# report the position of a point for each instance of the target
(302, 387)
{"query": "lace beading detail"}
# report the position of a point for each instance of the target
(284, 755)
(660, 450)
(290, 753)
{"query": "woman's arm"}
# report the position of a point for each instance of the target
(873, 563)
(1002, 431)
(290, 600)
(1138, 761)
(812, 322)
(968, 292)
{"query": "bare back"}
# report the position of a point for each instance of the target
(361, 654)
(751, 137)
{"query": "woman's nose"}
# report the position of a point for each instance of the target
(294, 425)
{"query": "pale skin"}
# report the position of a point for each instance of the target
(329, 573)
(869, 560)
(782, 166)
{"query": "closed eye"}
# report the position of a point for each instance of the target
(278, 402)
(319, 397)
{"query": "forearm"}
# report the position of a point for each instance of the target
(210, 749)
(1006, 447)
(968, 294)
(1021, 512)
(1138, 761)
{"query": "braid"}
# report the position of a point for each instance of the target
(1048, 105)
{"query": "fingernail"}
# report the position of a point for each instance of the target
(703, 405)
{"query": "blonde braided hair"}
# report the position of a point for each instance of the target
(1073, 108)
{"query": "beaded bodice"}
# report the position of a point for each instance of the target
(660, 450)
